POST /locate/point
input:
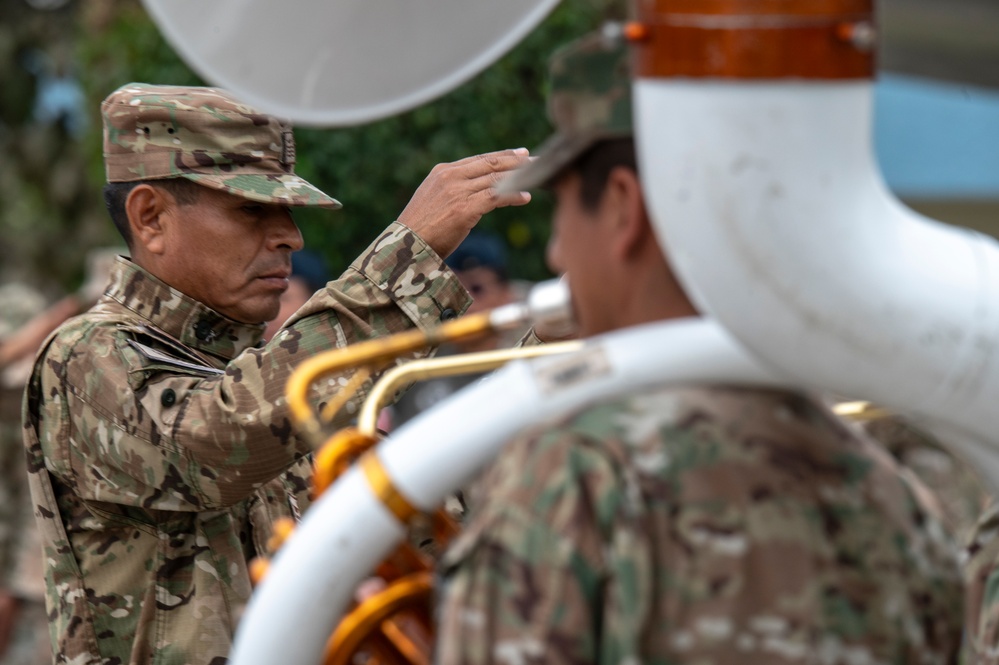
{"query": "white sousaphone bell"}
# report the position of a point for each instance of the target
(753, 124)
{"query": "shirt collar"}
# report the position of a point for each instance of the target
(192, 323)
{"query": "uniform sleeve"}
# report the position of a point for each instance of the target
(175, 441)
(525, 581)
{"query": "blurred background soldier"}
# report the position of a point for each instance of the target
(24, 324)
(23, 626)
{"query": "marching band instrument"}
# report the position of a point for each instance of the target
(466, 363)
(547, 304)
(345, 62)
(799, 248)
(394, 624)
(356, 522)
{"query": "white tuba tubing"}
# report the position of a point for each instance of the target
(768, 199)
(441, 450)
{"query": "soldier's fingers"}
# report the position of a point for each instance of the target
(486, 156)
(514, 199)
(489, 180)
(489, 199)
(492, 162)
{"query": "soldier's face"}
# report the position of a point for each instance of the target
(231, 254)
(579, 247)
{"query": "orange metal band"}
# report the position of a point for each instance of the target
(754, 39)
(415, 589)
(385, 490)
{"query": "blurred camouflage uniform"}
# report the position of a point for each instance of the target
(20, 562)
(981, 574)
(18, 303)
(955, 484)
(157, 430)
(699, 525)
(690, 524)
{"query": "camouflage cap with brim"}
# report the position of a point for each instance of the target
(590, 101)
(205, 135)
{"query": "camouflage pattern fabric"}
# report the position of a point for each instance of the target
(700, 525)
(20, 563)
(589, 101)
(981, 572)
(957, 487)
(591, 87)
(20, 549)
(14, 503)
(205, 135)
(157, 434)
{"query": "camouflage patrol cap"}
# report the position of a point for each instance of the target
(205, 135)
(589, 100)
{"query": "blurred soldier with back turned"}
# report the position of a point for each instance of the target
(22, 594)
(23, 627)
(707, 524)
(160, 446)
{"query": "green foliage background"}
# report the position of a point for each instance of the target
(372, 169)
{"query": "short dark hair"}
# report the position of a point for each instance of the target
(183, 191)
(595, 165)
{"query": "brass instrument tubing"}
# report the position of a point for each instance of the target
(860, 411)
(375, 351)
(430, 368)
(385, 490)
(338, 401)
(365, 617)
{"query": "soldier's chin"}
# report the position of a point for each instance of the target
(271, 313)
(258, 311)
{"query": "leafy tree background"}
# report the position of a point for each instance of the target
(50, 206)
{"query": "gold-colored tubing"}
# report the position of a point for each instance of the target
(432, 368)
(413, 589)
(860, 411)
(382, 487)
(377, 351)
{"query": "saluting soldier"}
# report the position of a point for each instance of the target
(683, 524)
(159, 443)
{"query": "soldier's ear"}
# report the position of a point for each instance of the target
(632, 229)
(145, 207)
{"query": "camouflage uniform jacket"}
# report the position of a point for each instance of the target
(157, 434)
(956, 484)
(699, 525)
(981, 573)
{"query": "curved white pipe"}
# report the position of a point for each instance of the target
(768, 199)
(443, 449)
(346, 62)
